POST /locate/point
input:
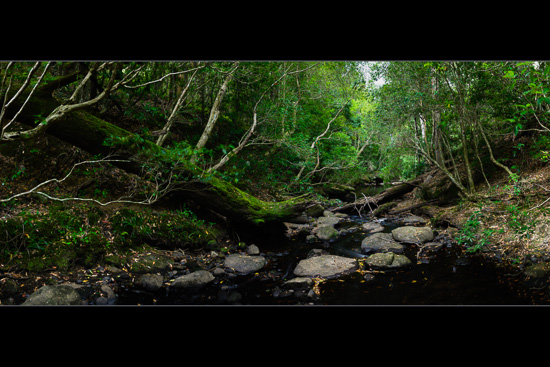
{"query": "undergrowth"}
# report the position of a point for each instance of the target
(65, 235)
(510, 216)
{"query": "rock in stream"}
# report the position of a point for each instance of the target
(325, 266)
(411, 234)
(388, 260)
(381, 242)
(244, 264)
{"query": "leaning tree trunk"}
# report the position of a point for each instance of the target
(89, 133)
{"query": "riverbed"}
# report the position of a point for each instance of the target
(448, 276)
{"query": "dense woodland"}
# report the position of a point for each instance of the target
(248, 142)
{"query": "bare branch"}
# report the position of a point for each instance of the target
(215, 111)
(330, 122)
(170, 120)
(105, 160)
(246, 137)
(161, 79)
(25, 84)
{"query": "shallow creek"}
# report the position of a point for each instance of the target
(448, 276)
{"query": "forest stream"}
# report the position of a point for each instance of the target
(446, 275)
(237, 183)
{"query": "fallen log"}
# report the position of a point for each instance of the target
(385, 196)
(433, 201)
(191, 183)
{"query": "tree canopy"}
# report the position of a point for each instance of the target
(286, 127)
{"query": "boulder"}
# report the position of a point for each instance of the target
(51, 295)
(328, 221)
(196, 279)
(253, 250)
(315, 210)
(244, 264)
(151, 282)
(325, 266)
(373, 227)
(316, 252)
(108, 296)
(151, 263)
(388, 260)
(381, 242)
(413, 234)
(325, 233)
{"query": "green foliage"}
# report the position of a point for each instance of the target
(84, 235)
(58, 238)
(468, 234)
(179, 228)
(541, 148)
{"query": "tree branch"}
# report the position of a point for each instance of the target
(170, 120)
(55, 180)
(244, 139)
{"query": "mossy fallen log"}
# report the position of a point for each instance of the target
(88, 132)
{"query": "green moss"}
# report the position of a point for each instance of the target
(250, 208)
(384, 208)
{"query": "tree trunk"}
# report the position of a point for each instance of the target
(215, 111)
(89, 133)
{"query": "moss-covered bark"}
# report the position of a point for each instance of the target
(89, 133)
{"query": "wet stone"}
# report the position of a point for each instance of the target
(326, 233)
(372, 227)
(54, 295)
(381, 242)
(151, 282)
(413, 234)
(197, 279)
(325, 266)
(298, 283)
(244, 264)
(388, 260)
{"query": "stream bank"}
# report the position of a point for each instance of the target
(266, 271)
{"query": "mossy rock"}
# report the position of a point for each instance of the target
(326, 233)
(151, 263)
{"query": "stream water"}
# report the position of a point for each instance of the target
(446, 277)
